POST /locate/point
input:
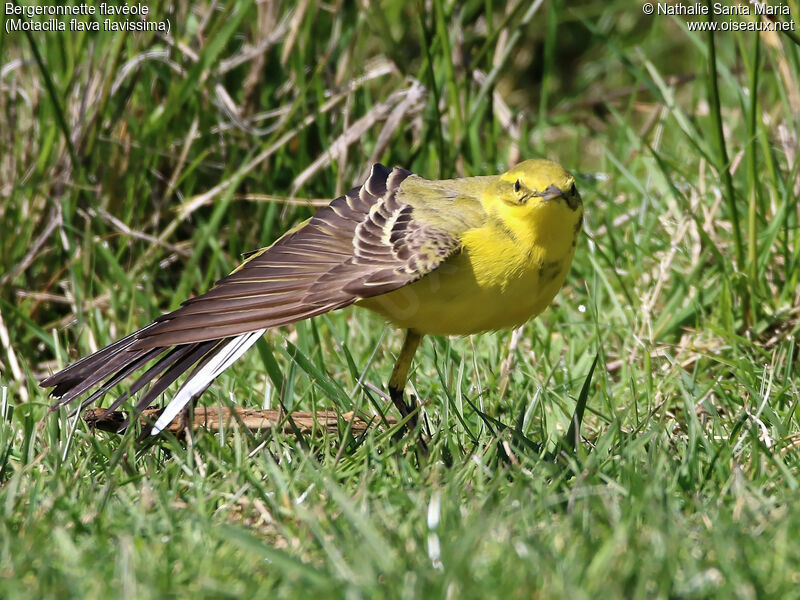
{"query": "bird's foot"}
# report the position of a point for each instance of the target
(409, 411)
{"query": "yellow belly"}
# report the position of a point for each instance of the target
(464, 296)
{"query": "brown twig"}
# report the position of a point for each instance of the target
(214, 419)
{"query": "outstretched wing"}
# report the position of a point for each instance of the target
(362, 244)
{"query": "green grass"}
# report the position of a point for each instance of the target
(132, 175)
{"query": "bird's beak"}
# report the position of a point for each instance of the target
(551, 193)
(571, 197)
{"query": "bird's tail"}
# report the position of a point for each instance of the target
(110, 366)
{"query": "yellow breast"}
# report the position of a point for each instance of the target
(503, 276)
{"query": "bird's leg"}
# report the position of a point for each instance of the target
(400, 375)
(185, 418)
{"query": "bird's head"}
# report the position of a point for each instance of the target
(537, 194)
(536, 182)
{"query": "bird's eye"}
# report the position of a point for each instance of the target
(517, 186)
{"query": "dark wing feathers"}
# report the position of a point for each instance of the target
(362, 244)
(78, 377)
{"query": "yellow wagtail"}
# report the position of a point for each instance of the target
(449, 257)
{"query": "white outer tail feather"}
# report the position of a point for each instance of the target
(198, 382)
